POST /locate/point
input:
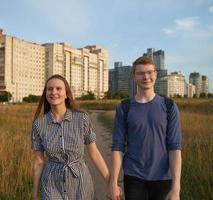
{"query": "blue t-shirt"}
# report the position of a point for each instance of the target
(149, 139)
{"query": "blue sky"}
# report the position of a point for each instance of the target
(182, 28)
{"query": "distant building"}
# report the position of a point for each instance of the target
(172, 85)
(120, 79)
(157, 56)
(201, 83)
(86, 69)
(159, 59)
(189, 90)
(24, 67)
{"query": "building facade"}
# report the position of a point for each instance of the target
(157, 56)
(201, 83)
(86, 69)
(120, 79)
(172, 85)
(159, 59)
(24, 67)
(189, 90)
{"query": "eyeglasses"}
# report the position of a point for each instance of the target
(149, 73)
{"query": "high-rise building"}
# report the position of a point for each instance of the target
(189, 90)
(159, 59)
(201, 83)
(120, 79)
(157, 56)
(24, 67)
(86, 69)
(205, 85)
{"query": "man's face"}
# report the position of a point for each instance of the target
(145, 76)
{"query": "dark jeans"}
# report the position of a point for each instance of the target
(138, 189)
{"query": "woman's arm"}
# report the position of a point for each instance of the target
(38, 166)
(98, 160)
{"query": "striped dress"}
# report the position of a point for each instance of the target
(65, 175)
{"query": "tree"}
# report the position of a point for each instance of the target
(89, 96)
(210, 95)
(6, 96)
(31, 98)
(120, 95)
(203, 95)
(108, 94)
(194, 96)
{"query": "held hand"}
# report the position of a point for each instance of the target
(173, 195)
(114, 193)
(121, 193)
(35, 197)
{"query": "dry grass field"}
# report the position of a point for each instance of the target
(197, 150)
(16, 154)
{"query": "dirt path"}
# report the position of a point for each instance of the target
(104, 145)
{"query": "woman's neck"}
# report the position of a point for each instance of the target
(58, 112)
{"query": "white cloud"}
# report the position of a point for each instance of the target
(69, 17)
(211, 9)
(186, 23)
(189, 27)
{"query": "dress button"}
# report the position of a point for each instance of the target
(64, 190)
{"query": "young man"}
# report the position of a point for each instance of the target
(150, 139)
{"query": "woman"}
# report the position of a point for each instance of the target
(61, 133)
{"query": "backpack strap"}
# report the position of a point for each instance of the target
(125, 105)
(169, 104)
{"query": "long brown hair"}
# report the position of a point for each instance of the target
(69, 101)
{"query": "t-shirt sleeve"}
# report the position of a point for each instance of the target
(36, 138)
(89, 134)
(119, 131)
(173, 139)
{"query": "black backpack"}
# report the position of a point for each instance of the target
(125, 105)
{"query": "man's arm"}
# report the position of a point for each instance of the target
(113, 190)
(175, 168)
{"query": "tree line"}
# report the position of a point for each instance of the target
(7, 96)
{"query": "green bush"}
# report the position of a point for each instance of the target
(31, 98)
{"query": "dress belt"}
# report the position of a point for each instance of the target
(73, 166)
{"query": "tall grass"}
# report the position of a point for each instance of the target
(197, 152)
(16, 154)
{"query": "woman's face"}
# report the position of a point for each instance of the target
(56, 92)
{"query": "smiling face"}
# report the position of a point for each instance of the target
(56, 92)
(145, 76)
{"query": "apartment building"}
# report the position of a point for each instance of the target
(172, 85)
(86, 69)
(201, 83)
(189, 90)
(24, 67)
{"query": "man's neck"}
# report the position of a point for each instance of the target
(144, 96)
